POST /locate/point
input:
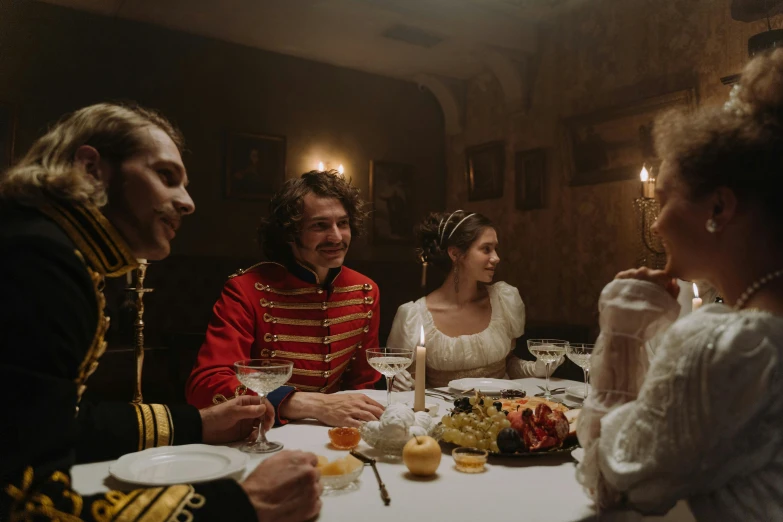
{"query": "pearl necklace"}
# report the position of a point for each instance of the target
(755, 286)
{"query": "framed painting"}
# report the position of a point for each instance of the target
(530, 179)
(485, 167)
(391, 194)
(7, 134)
(255, 165)
(612, 145)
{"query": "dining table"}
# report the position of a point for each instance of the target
(540, 488)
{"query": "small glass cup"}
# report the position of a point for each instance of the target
(580, 355)
(548, 351)
(345, 438)
(389, 362)
(470, 460)
(263, 376)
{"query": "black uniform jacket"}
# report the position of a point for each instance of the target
(53, 260)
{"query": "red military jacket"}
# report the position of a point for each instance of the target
(269, 310)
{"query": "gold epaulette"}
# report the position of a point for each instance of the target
(242, 271)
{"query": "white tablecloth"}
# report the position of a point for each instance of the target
(534, 489)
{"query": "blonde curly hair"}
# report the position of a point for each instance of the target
(48, 171)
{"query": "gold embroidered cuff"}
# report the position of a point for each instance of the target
(155, 426)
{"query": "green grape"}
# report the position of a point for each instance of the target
(492, 411)
(505, 423)
(482, 444)
(446, 420)
(493, 432)
(498, 417)
(472, 401)
(453, 434)
(469, 440)
(494, 447)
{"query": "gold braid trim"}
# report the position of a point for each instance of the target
(353, 288)
(261, 287)
(316, 322)
(273, 338)
(28, 505)
(315, 306)
(310, 356)
(219, 398)
(148, 505)
(98, 345)
(140, 421)
(162, 416)
(147, 426)
(322, 373)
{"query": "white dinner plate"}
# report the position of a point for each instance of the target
(178, 464)
(486, 386)
(576, 392)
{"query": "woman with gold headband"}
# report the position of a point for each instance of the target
(470, 324)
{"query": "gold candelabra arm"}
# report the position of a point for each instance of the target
(651, 251)
(138, 324)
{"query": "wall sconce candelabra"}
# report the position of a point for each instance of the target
(327, 166)
(650, 247)
(138, 327)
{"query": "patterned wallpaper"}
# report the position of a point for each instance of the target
(594, 57)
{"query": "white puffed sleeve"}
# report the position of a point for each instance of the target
(688, 426)
(406, 328)
(512, 308)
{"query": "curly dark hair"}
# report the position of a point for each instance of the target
(738, 146)
(437, 233)
(286, 210)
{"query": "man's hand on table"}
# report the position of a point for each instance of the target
(350, 409)
(285, 487)
(235, 419)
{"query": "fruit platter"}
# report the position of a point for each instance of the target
(511, 426)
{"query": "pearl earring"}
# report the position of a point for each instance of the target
(712, 226)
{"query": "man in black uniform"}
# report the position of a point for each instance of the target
(104, 186)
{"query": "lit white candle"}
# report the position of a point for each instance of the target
(697, 302)
(648, 183)
(321, 166)
(421, 362)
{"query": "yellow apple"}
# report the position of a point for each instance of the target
(421, 455)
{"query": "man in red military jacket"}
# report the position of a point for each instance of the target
(303, 306)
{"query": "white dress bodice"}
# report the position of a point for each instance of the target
(465, 355)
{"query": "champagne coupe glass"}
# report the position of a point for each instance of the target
(389, 362)
(580, 355)
(547, 351)
(263, 376)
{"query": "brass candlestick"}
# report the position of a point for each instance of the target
(138, 324)
(650, 247)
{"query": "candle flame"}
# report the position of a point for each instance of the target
(695, 290)
(321, 166)
(341, 169)
(644, 175)
(421, 339)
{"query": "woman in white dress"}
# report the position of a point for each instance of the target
(470, 325)
(702, 421)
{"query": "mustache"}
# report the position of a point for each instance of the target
(330, 246)
(171, 216)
